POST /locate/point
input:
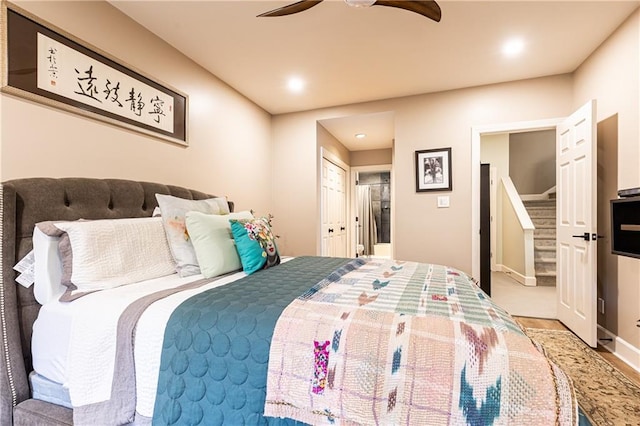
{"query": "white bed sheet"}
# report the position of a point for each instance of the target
(74, 343)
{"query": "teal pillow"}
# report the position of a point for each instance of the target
(255, 243)
(212, 240)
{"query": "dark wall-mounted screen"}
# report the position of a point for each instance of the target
(625, 226)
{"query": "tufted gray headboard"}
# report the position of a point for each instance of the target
(23, 203)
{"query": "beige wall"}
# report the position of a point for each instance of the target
(607, 190)
(494, 150)
(532, 156)
(227, 133)
(422, 231)
(371, 157)
(329, 143)
(612, 76)
(513, 256)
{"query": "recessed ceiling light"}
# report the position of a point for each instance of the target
(513, 47)
(360, 135)
(296, 84)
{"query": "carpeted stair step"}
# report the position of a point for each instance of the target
(544, 252)
(541, 212)
(545, 231)
(545, 241)
(546, 279)
(543, 216)
(544, 221)
(540, 203)
(545, 266)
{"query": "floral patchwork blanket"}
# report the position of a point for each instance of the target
(409, 343)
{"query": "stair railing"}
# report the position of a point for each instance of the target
(517, 236)
(549, 194)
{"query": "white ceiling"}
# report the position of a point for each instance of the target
(348, 55)
(378, 129)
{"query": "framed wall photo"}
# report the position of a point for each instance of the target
(433, 170)
(45, 64)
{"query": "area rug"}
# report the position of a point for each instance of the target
(606, 395)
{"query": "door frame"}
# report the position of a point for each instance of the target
(486, 238)
(493, 207)
(333, 158)
(476, 134)
(352, 224)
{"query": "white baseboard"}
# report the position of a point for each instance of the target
(524, 280)
(620, 348)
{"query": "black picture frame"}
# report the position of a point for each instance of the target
(142, 104)
(433, 170)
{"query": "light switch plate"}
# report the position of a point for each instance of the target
(443, 201)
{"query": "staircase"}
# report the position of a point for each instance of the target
(543, 215)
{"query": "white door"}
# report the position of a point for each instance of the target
(576, 151)
(334, 210)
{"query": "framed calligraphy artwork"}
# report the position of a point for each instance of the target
(45, 65)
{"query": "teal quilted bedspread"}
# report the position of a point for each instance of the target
(216, 346)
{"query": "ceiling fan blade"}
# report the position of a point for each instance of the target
(290, 9)
(428, 8)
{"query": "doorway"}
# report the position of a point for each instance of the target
(507, 290)
(576, 157)
(372, 201)
(476, 136)
(519, 177)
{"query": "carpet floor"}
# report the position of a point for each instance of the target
(519, 300)
(606, 395)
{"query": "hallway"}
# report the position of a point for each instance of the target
(519, 300)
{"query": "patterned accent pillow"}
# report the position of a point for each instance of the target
(255, 243)
(173, 211)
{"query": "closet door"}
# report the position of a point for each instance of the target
(334, 210)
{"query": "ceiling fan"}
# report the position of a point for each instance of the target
(428, 8)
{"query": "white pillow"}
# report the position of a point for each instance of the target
(103, 254)
(48, 267)
(174, 210)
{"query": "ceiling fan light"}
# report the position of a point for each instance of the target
(360, 3)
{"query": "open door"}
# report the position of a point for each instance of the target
(576, 151)
(485, 228)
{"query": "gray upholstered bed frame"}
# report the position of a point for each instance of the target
(23, 203)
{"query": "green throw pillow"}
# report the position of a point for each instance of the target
(213, 242)
(255, 243)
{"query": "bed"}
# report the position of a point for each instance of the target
(296, 340)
